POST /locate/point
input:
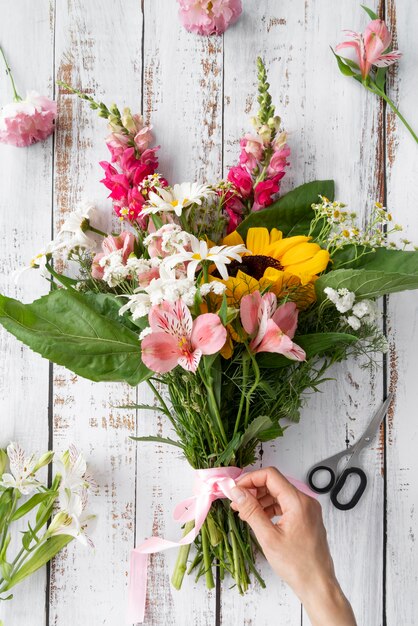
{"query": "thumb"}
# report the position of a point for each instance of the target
(251, 511)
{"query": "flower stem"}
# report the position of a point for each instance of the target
(386, 98)
(206, 558)
(181, 562)
(16, 98)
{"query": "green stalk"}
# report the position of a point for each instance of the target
(16, 96)
(375, 89)
(214, 409)
(181, 562)
(206, 558)
(243, 388)
(253, 387)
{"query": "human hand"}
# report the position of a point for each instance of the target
(296, 546)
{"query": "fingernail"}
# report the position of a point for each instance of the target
(238, 495)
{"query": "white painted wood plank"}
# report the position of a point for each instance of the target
(25, 215)
(402, 429)
(99, 51)
(182, 98)
(332, 129)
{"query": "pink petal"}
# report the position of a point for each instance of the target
(190, 360)
(378, 33)
(286, 318)
(249, 307)
(160, 352)
(208, 333)
(296, 353)
(270, 303)
(387, 59)
(273, 340)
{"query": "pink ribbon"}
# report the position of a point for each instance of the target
(210, 485)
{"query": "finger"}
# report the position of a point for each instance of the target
(276, 483)
(252, 512)
(268, 501)
(273, 511)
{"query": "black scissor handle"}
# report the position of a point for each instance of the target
(340, 484)
(328, 486)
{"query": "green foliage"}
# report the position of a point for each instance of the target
(366, 283)
(292, 213)
(78, 332)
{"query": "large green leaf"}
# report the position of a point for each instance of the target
(292, 213)
(384, 259)
(366, 283)
(69, 329)
(314, 344)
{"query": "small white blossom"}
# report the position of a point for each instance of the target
(22, 471)
(342, 298)
(177, 198)
(352, 321)
(366, 310)
(215, 287)
(114, 270)
(144, 333)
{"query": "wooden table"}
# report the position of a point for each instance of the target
(199, 93)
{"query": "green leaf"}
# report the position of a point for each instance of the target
(292, 213)
(6, 570)
(370, 13)
(40, 557)
(380, 77)
(344, 68)
(402, 261)
(67, 328)
(157, 439)
(366, 283)
(261, 428)
(314, 344)
(228, 454)
(223, 311)
(31, 503)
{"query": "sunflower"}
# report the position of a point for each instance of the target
(288, 266)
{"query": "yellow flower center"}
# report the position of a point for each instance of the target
(174, 202)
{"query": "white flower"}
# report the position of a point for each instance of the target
(71, 519)
(144, 333)
(342, 298)
(39, 261)
(366, 310)
(22, 476)
(353, 321)
(115, 271)
(167, 287)
(331, 294)
(216, 287)
(166, 240)
(177, 198)
(74, 232)
(200, 251)
(73, 469)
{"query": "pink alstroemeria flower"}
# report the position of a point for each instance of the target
(272, 328)
(177, 339)
(370, 47)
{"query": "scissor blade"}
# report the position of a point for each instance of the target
(373, 427)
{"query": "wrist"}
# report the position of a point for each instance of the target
(326, 604)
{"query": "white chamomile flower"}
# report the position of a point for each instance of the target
(22, 471)
(221, 256)
(177, 198)
(75, 230)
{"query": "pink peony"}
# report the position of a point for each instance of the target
(241, 180)
(27, 121)
(209, 17)
(125, 242)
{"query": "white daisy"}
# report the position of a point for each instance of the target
(221, 256)
(177, 198)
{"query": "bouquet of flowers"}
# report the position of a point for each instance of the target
(65, 501)
(226, 297)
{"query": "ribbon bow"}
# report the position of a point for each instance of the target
(210, 485)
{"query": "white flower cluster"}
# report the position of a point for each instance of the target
(175, 199)
(361, 312)
(167, 240)
(215, 287)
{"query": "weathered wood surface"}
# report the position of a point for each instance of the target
(199, 93)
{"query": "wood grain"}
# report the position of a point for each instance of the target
(402, 427)
(25, 210)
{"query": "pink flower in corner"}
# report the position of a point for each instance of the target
(177, 339)
(27, 121)
(271, 328)
(370, 47)
(209, 17)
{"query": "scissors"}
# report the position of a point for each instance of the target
(336, 483)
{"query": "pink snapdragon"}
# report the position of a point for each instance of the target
(209, 17)
(271, 328)
(25, 122)
(241, 180)
(124, 242)
(265, 192)
(370, 47)
(177, 339)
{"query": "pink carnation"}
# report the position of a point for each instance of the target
(209, 17)
(27, 121)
